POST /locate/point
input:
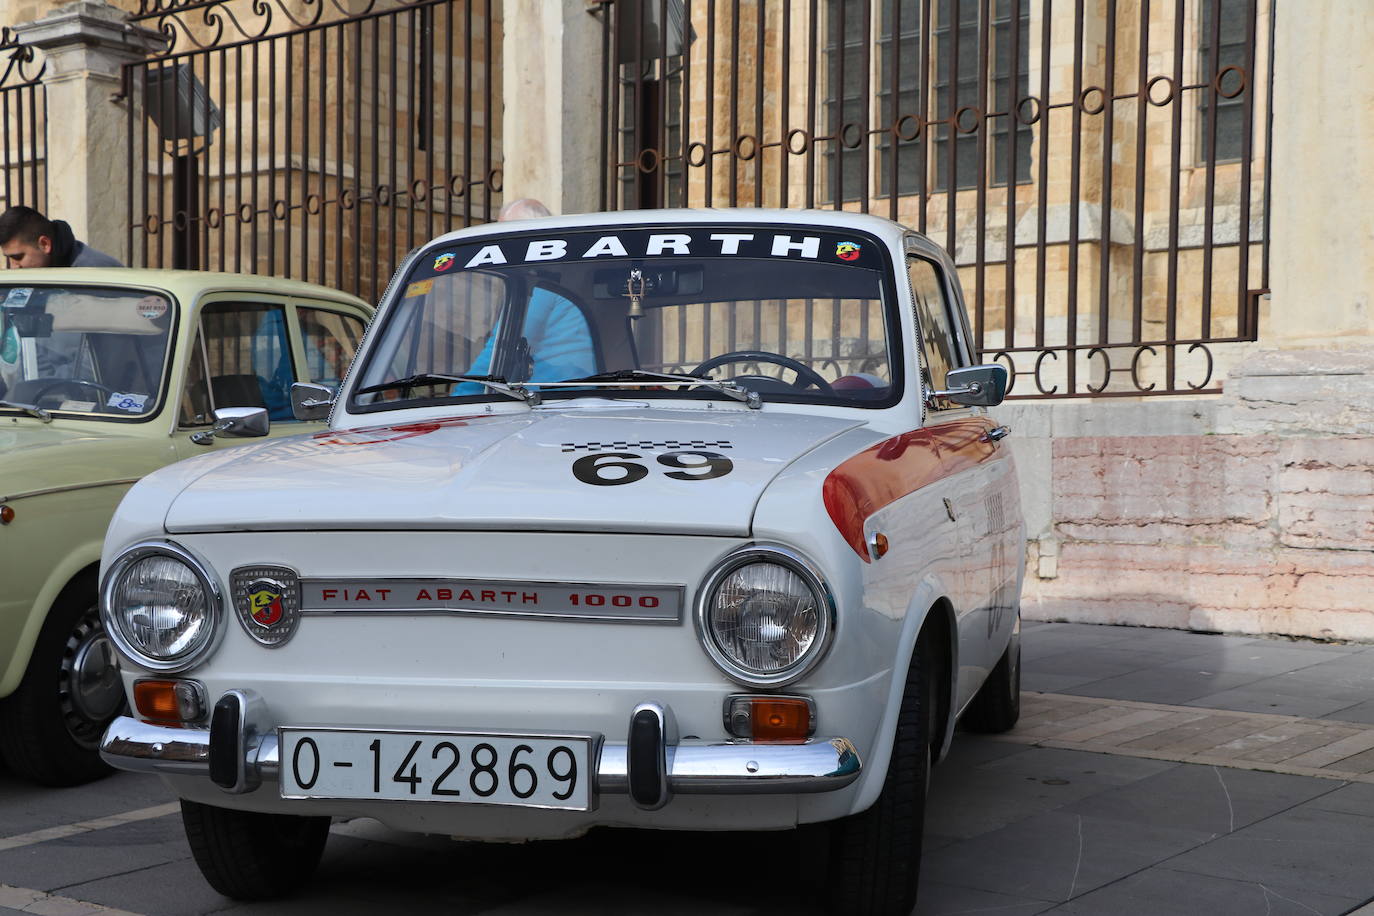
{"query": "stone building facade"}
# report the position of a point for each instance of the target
(1249, 509)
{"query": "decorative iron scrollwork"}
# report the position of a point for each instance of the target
(203, 24)
(22, 64)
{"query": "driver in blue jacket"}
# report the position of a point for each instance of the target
(556, 331)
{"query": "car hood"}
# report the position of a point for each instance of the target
(37, 456)
(547, 469)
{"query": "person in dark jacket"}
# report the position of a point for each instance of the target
(30, 239)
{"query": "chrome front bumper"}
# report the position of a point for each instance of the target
(651, 766)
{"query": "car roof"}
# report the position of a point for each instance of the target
(185, 283)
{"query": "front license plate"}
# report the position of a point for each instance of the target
(486, 769)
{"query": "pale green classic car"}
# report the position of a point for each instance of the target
(105, 375)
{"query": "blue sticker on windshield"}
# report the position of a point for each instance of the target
(133, 403)
(18, 297)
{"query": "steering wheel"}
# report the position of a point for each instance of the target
(61, 382)
(806, 376)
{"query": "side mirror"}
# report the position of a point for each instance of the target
(311, 402)
(976, 386)
(235, 422)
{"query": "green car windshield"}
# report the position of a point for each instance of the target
(788, 313)
(85, 351)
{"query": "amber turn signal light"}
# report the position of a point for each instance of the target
(169, 700)
(770, 718)
(6, 515)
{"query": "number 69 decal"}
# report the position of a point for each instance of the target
(611, 469)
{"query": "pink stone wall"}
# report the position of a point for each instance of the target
(1238, 533)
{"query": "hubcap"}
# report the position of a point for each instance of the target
(89, 685)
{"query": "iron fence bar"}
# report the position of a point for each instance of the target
(1043, 181)
(1104, 269)
(1247, 131)
(894, 111)
(1268, 152)
(126, 80)
(760, 62)
(339, 159)
(784, 111)
(734, 118)
(1141, 113)
(981, 198)
(925, 40)
(813, 46)
(1013, 160)
(952, 26)
(489, 60)
(685, 132)
(467, 123)
(272, 148)
(865, 134)
(1209, 215)
(1075, 167)
(1175, 161)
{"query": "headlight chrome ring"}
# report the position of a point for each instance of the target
(792, 562)
(201, 645)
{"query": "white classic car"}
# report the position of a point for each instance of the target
(671, 519)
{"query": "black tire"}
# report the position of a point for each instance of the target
(997, 705)
(875, 856)
(251, 856)
(50, 727)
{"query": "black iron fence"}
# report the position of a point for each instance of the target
(1098, 171)
(315, 141)
(23, 124)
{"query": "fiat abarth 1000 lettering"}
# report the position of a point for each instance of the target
(673, 519)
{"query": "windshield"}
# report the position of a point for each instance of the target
(797, 316)
(88, 351)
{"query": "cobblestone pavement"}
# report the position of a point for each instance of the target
(1154, 772)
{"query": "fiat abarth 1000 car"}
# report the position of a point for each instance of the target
(105, 375)
(674, 519)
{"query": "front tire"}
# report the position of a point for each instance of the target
(51, 726)
(875, 856)
(247, 855)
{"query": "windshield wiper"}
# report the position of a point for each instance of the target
(32, 410)
(494, 382)
(640, 376)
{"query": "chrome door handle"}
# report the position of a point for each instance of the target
(997, 432)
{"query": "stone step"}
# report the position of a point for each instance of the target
(1189, 734)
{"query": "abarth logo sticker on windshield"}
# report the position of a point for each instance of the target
(790, 243)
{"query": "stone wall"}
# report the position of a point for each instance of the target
(1252, 513)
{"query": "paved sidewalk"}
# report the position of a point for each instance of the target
(1161, 772)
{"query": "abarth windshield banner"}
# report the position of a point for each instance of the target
(793, 243)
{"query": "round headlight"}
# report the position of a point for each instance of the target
(765, 616)
(161, 606)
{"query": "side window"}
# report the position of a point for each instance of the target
(195, 399)
(248, 356)
(937, 330)
(331, 339)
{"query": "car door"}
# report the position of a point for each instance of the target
(971, 494)
(248, 351)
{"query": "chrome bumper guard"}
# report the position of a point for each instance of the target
(651, 766)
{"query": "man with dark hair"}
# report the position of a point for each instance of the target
(30, 239)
